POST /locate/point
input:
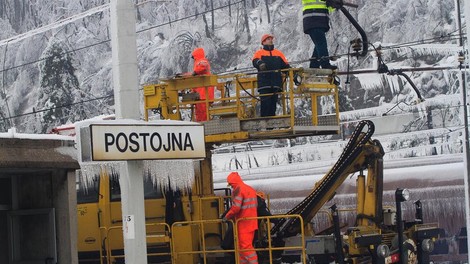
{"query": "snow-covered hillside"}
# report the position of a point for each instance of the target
(229, 30)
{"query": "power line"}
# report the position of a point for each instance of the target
(413, 69)
(89, 46)
(424, 136)
(45, 58)
(109, 96)
(4, 92)
(235, 70)
(449, 36)
(100, 8)
(103, 7)
(57, 107)
(108, 40)
(106, 6)
(56, 24)
(396, 46)
(191, 16)
(99, 98)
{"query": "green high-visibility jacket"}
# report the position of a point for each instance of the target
(315, 14)
(315, 4)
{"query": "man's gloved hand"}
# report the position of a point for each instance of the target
(224, 220)
(297, 78)
(262, 67)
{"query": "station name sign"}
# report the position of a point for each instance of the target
(146, 142)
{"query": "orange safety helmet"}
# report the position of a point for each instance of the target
(262, 195)
(265, 36)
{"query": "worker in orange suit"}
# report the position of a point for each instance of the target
(201, 67)
(244, 205)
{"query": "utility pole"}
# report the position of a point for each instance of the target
(126, 99)
(465, 114)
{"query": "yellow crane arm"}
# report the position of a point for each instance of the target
(360, 153)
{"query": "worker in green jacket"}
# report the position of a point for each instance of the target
(316, 24)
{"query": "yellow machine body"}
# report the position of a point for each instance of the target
(231, 117)
(100, 223)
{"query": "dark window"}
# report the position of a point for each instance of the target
(5, 192)
(115, 187)
(87, 191)
(150, 191)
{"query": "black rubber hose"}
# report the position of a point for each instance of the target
(365, 42)
(289, 227)
(411, 83)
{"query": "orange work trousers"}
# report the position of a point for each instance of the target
(245, 247)
(201, 112)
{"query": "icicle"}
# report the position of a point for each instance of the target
(427, 49)
(370, 81)
(91, 170)
(177, 174)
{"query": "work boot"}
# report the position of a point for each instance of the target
(331, 67)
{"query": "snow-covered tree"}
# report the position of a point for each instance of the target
(58, 85)
(4, 121)
(229, 31)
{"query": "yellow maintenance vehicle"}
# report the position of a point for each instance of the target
(232, 118)
(183, 226)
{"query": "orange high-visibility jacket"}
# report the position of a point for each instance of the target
(244, 204)
(274, 60)
(201, 67)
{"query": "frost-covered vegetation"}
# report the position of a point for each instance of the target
(229, 30)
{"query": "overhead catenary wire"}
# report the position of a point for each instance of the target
(99, 98)
(450, 131)
(241, 70)
(110, 96)
(335, 56)
(418, 111)
(4, 92)
(57, 107)
(108, 40)
(188, 17)
(56, 24)
(446, 37)
(45, 58)
(89, 46)
(106, 6)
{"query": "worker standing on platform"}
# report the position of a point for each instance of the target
(244, 204)
(201, 67)
(269, 61)
(316, 23)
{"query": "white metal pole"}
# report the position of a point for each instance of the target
(466, 133)
(126, 99)
(124, 52)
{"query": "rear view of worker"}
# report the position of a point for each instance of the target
(244, 204)
(201, 67)
(269, 61)
(316, 23)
